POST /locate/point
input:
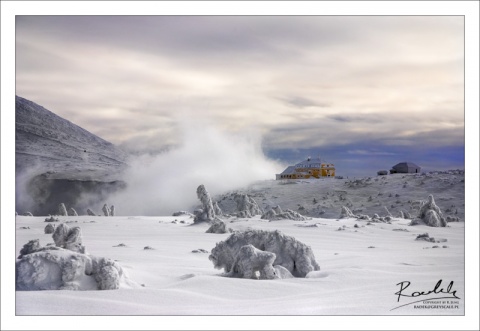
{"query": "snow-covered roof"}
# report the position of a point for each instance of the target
(405, 164)
(290, 170)
(309, 162)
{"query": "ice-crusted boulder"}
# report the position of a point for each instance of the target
(107, 273)
(218, 226)
(112, 210)
(346, 213)
(68, 238)
(62, 210)
(276, 214)
(50, 228)
(54, 268)
(27, 214)
(247, 207)
(52, 219)
(106, 210)
(290, 253)
(30, 247)
(253, 263)
(90, 212)
(207, 213)
(72, 212)
(431, 214)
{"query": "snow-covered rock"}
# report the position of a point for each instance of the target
(62, 210)
(54, 268)
(106, 210)
(72, 212)
(207, 213)
(216, 208)
(276, 214)
(112, 210)
(68, 238)
(251, 262)
(52, 219)
(295, 256)
(50, 228)
(90, 212)
(431, 214)
(247, 207)
(218, 226)
(30, 247)
(346, 213)
(107, 273)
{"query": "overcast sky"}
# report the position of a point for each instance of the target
(364, 92)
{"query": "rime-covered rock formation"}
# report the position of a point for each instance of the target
(50, 228)
(52, 219)
(207, 213)
(68, 238)
(216, 208)
(62, 210)
(30, 247)
(90, 212)
(112, 210)
(107, 273)
(247, 207)
(72, 212)
(218, 226)
(54, 268)
(293, 255)
(276, 214)
(106, 210)
(346, 213)
(431, 214)
(253, 263)
(58, 268)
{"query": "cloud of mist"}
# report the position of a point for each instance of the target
(165, 183)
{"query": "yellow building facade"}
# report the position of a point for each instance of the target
(309, 168)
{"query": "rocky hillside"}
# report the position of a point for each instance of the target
(56, 161)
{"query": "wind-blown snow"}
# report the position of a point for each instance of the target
(163, 184)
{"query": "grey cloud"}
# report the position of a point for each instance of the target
(366, 118)
(371, 76)
(301, 102)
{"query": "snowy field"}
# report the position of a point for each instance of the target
(360, 268)
(363, 264)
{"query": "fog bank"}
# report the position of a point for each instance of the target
(165, 183)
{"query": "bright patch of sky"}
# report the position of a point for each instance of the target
(385, 87)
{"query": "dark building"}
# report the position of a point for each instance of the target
(405, 168)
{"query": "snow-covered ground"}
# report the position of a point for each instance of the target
(360, 268)
(363, 265)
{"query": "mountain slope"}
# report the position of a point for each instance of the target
(60, 148)
(57, 161)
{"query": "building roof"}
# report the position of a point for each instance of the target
(405, 164)
(309, 162)
(289, 171)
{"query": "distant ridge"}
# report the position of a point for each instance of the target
(57, 161)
